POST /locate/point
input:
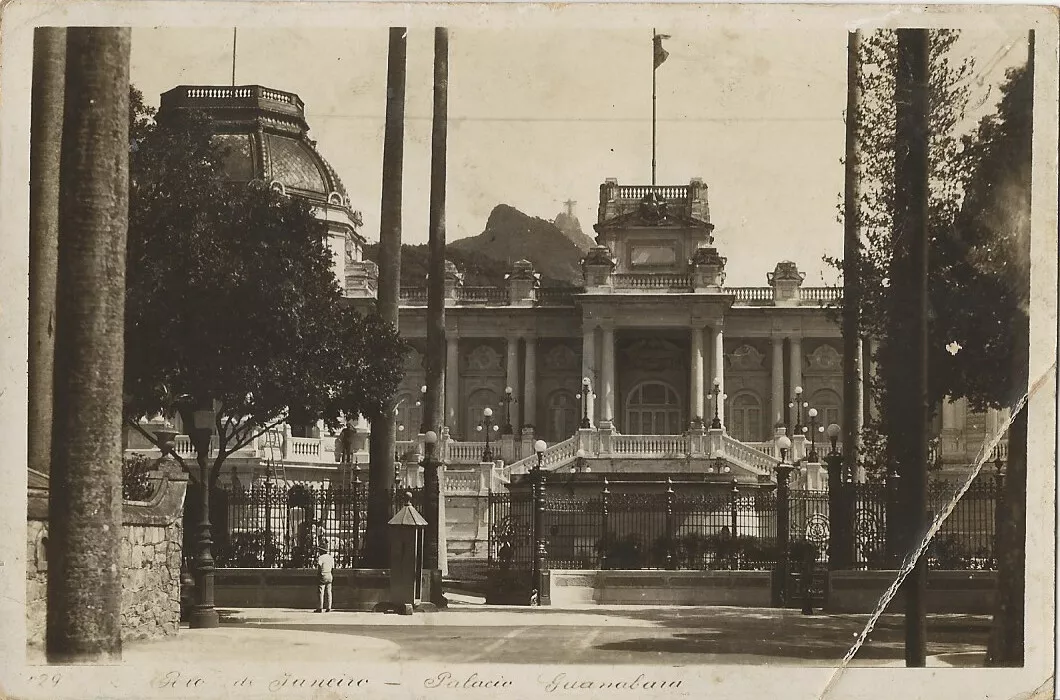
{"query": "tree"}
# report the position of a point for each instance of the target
(994, 325)
(84, 497)
(231, 298)
(881, 310)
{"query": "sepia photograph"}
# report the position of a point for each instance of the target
(432, 350)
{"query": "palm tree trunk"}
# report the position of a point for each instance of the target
(434, 415)
(384, 434)
(85, 568)
(46, 131)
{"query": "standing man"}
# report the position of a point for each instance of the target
(325, 566)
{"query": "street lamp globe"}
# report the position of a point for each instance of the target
(430, 437)
(488, 412)
(540, 446)
(508, 390)
(585, 381)
(813, 413)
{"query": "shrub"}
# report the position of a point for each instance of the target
(252, 549)
(135, 483)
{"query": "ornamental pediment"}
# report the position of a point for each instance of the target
(825, 359)
(642, 218)
(746, 357)
(560, 358)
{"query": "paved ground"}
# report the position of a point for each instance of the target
(591, 635)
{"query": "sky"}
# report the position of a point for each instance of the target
(540, 116)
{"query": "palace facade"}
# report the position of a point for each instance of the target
(652, 366)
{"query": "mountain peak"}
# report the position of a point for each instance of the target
(511, 235)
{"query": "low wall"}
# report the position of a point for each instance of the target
(968, 592)
(742, 588)
(150, 560)
(353, 589)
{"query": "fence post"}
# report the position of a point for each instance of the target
(605, 504)
(894, 536)
(270, 548)
(670, 534)
(783, 538)
(733, 506)
(356, 498)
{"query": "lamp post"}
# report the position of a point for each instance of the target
(540, 575)
(840, 541)
(715, 424)
(419, 404)
(798, 404)
(814, 428)
(507, 402)
(586, 392)
(203, 615)
(486, 426)
(432, 494)
(783, 537)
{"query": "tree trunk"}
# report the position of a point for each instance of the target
(1005, 646)
(46, 131)
(384, 434)
(85, 568)
(433, 411)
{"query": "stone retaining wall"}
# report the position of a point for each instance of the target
(150, 558)
(743, 588)
(352, 589)
(969, 592)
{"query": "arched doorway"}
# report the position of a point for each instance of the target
(744, 417)
(476, 402)
(653, 408)
(562, 416)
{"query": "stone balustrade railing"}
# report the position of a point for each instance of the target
(555, 454)
(647, 280)
(747, 456)
(465, 452)
(743, 296)
(650, 445)
(821, 295)
(466, 481)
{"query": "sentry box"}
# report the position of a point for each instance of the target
(406, 559)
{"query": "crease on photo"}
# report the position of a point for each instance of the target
(1048, 377)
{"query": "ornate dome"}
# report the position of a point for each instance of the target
(267, 138)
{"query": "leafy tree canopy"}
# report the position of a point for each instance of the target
(231, 298)
(978, 268)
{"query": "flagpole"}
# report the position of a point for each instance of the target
(234, 30)
(653, 108)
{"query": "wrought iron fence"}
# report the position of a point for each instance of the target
(274, 526)
(728, 529)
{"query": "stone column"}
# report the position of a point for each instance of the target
(530, 383)
(796, 374)
(589, 367)
(717, 338)
(607, 375)
(696, 402)
(452, 383)
(512, 378)
(777, 378)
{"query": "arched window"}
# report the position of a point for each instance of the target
(828, 407)
(744, 417)
(562, 416)
(478, 400)
(653, 408)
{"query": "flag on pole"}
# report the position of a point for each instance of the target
(661, 54)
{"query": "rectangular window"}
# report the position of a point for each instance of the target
(652, 255)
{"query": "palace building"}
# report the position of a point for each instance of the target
(653, 366)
